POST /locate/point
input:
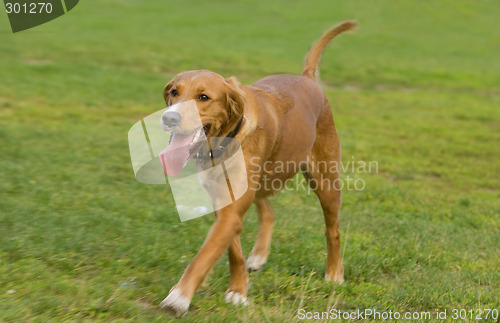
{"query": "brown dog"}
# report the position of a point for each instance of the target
(279, 120)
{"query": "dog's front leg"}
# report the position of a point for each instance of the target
(227, 226)
(237, 291)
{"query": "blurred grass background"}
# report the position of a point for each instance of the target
(416, 88)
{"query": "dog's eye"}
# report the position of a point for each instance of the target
(203, 97)
(174, 92)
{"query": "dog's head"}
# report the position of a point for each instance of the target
(220, 102)
(219, 105)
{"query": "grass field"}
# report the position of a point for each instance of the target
(416, 88)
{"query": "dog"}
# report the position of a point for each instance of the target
(279, 119)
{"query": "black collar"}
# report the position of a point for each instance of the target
(236, 129)
(217, 151)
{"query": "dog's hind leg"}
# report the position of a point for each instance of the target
(260, 251)
(323, 178)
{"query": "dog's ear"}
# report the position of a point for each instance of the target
(235, 97)
(166, 91)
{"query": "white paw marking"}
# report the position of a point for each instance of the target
(176, 302)
(336, 278)
(236, 298)
(255, 262)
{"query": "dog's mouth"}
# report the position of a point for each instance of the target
(181, 148)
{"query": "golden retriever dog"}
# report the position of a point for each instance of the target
(278, 120)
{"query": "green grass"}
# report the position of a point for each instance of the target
(416, 89)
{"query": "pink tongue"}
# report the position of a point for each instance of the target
(174, 157)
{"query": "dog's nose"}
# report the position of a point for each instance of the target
(171, 118)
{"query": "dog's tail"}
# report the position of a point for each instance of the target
(314, 55)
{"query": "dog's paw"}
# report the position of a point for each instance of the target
(255, 263)
(338, 278)
(236, 298)
(176, 303)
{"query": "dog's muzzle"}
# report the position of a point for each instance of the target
(171, 118)
(182, 117)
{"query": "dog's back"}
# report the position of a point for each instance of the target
(297, 107)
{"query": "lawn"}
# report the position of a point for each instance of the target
(416, 89)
